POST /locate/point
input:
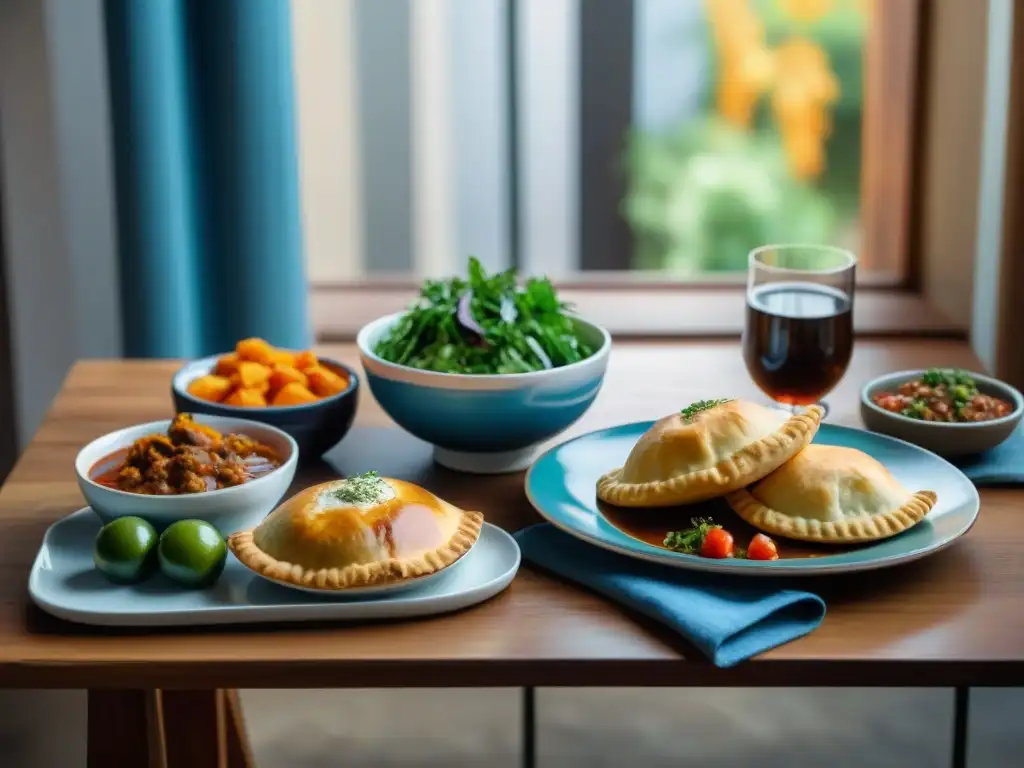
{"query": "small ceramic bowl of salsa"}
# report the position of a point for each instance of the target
(949, 412)
(228, 472)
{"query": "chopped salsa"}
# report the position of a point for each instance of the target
(942, 395)
(707, 539)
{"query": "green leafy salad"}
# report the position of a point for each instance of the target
(485, 324)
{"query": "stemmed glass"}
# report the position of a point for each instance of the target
(798, 335)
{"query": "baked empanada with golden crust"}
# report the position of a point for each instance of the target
(357, 532)
(831, 494)
(707, 450)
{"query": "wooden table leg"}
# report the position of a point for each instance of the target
(239, 749)
(194, 728)
(961, 710)
(204, 729)
(124, 728)
(529, 728)
(167, 729)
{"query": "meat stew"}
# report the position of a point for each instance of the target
(189, 458)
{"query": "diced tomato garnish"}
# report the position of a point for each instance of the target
(889, 402)
(717, 544)
(762, 548)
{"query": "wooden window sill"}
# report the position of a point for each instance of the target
(339, 311)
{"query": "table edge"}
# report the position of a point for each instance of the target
(575, 673)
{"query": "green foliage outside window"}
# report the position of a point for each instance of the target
(706, 192)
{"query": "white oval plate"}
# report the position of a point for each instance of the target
(64, 582)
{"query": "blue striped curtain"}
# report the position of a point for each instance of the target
(209, 229)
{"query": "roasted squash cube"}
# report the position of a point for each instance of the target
(227, 365)
(306, 359)
(286, 374)
(212, 388)
(325, 382)
(255, 350)
(252, 375)
(246, 398)
(263, 386)
(293, 393)
(282, 357)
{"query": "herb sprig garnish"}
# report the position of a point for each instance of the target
(690, 411)
(934, 377)
(957, 384)
(485, 324)
(366, 488)
(689, 540)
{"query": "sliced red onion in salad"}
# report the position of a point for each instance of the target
(464, 315)
(538, 350)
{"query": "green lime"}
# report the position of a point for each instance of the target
(192, 553)
(125, 550)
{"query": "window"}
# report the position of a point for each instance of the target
(636, 146)
(745, 129)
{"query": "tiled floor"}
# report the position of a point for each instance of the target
(595, 728)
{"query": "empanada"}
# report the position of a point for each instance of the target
(830, 493)
(707, 450)
(357, 532)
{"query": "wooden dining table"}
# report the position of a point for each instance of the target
(167, 697)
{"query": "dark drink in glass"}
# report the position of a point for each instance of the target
(798, 340)
(798, 336)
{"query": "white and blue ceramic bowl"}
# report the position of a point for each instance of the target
(237, 508)
(484, 423)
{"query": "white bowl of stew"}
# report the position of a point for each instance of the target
(946, 411)
(232, 483)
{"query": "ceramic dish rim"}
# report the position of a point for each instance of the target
(179, 388)
(291, 460)
(439, 377)
(901, 377)
(750, 567)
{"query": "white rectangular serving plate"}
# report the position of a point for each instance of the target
(64, 582)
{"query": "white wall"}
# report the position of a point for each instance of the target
(403, 135)
(330, 166)
(85, 166)
(62, 293)
(671, 62)
(54, 151)
(955, 97)
(479, 119)
(548, 122)
(990, 200)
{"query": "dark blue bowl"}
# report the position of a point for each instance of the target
(316, 427)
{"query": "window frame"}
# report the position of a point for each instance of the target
(890, 299)
(1007, 361)
(663, 311)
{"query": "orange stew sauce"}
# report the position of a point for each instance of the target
(189, 458)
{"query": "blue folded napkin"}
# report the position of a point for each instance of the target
(728, 619)
(1002, 465)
